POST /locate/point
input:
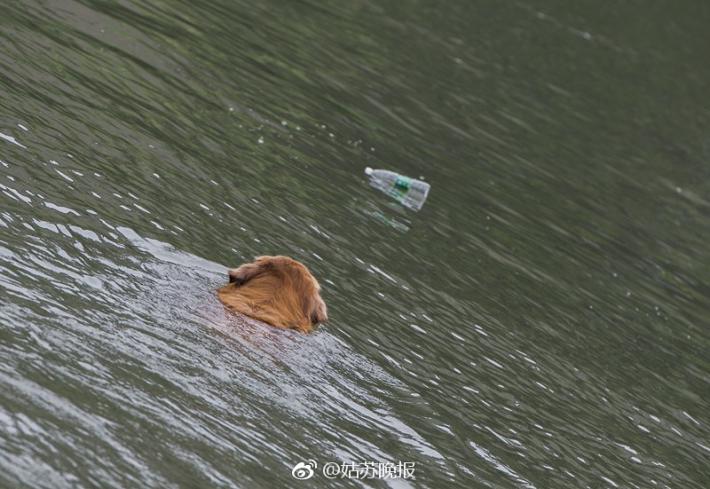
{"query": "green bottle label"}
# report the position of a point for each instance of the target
(403, 183)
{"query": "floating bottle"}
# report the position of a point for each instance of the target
(407, 191)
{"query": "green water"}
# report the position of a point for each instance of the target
(542, 322)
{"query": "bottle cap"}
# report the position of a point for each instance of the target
(368, 171)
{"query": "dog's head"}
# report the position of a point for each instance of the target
(291, 285)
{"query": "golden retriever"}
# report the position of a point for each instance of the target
(276, 290)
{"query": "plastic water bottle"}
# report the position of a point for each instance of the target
(407, 191)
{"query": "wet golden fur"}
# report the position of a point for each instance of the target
(277, 290)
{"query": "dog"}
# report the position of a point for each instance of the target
(277, 290)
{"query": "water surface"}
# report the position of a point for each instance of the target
(541, 323)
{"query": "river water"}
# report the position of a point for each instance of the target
(542, 322)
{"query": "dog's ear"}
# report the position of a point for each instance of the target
(244, 273)
(319, 312)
